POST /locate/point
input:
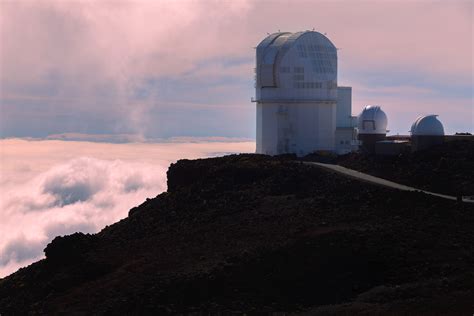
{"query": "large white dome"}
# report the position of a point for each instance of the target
(372, 120)
(300, 65)
(428, 125)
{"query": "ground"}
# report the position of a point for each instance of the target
(447, 168)
(251, 233)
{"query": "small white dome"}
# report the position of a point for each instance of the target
(372, 120)
(427, 125)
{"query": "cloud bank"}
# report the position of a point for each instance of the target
(179, 68)
(85, 187)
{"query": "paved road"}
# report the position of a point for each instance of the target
(368, 178)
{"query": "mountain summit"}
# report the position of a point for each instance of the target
(252, 233)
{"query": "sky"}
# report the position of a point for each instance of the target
(97, 98)
(160, 69)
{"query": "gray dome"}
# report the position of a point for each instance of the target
(428, 125)
(372, 120)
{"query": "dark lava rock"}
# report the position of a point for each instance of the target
(256, 234)
(69, 249)
(447, 168)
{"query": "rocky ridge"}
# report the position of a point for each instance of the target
(256, 234)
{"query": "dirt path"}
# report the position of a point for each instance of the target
(368, 178)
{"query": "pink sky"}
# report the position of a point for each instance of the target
(108, 67)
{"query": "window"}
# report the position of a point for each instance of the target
(298, 85)
(308, 85)
(299, 70)
(298, 77)
(368, 124)
(284, 69)
(303, 54)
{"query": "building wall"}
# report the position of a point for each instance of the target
(344, 107)
(296, 93)
(299, 128)
(346, 135)
(346, 140)
(368, 142)
(391, 148)
(259, 138)
(421, 142)
(451, 138)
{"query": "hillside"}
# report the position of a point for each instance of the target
(250, 233)
(447, 168)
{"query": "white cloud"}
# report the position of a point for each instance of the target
(19, 250)
(96, 66)
(52, 188)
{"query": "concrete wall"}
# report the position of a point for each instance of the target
(391, 148)
(450, 138)
(368, 142)
(346, 140)
(420, 142)
(344, 107)
(299, 128)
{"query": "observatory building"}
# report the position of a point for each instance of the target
(426, 131)
(372, 127)
(300, 108)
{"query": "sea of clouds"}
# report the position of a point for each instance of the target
(51, 187)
